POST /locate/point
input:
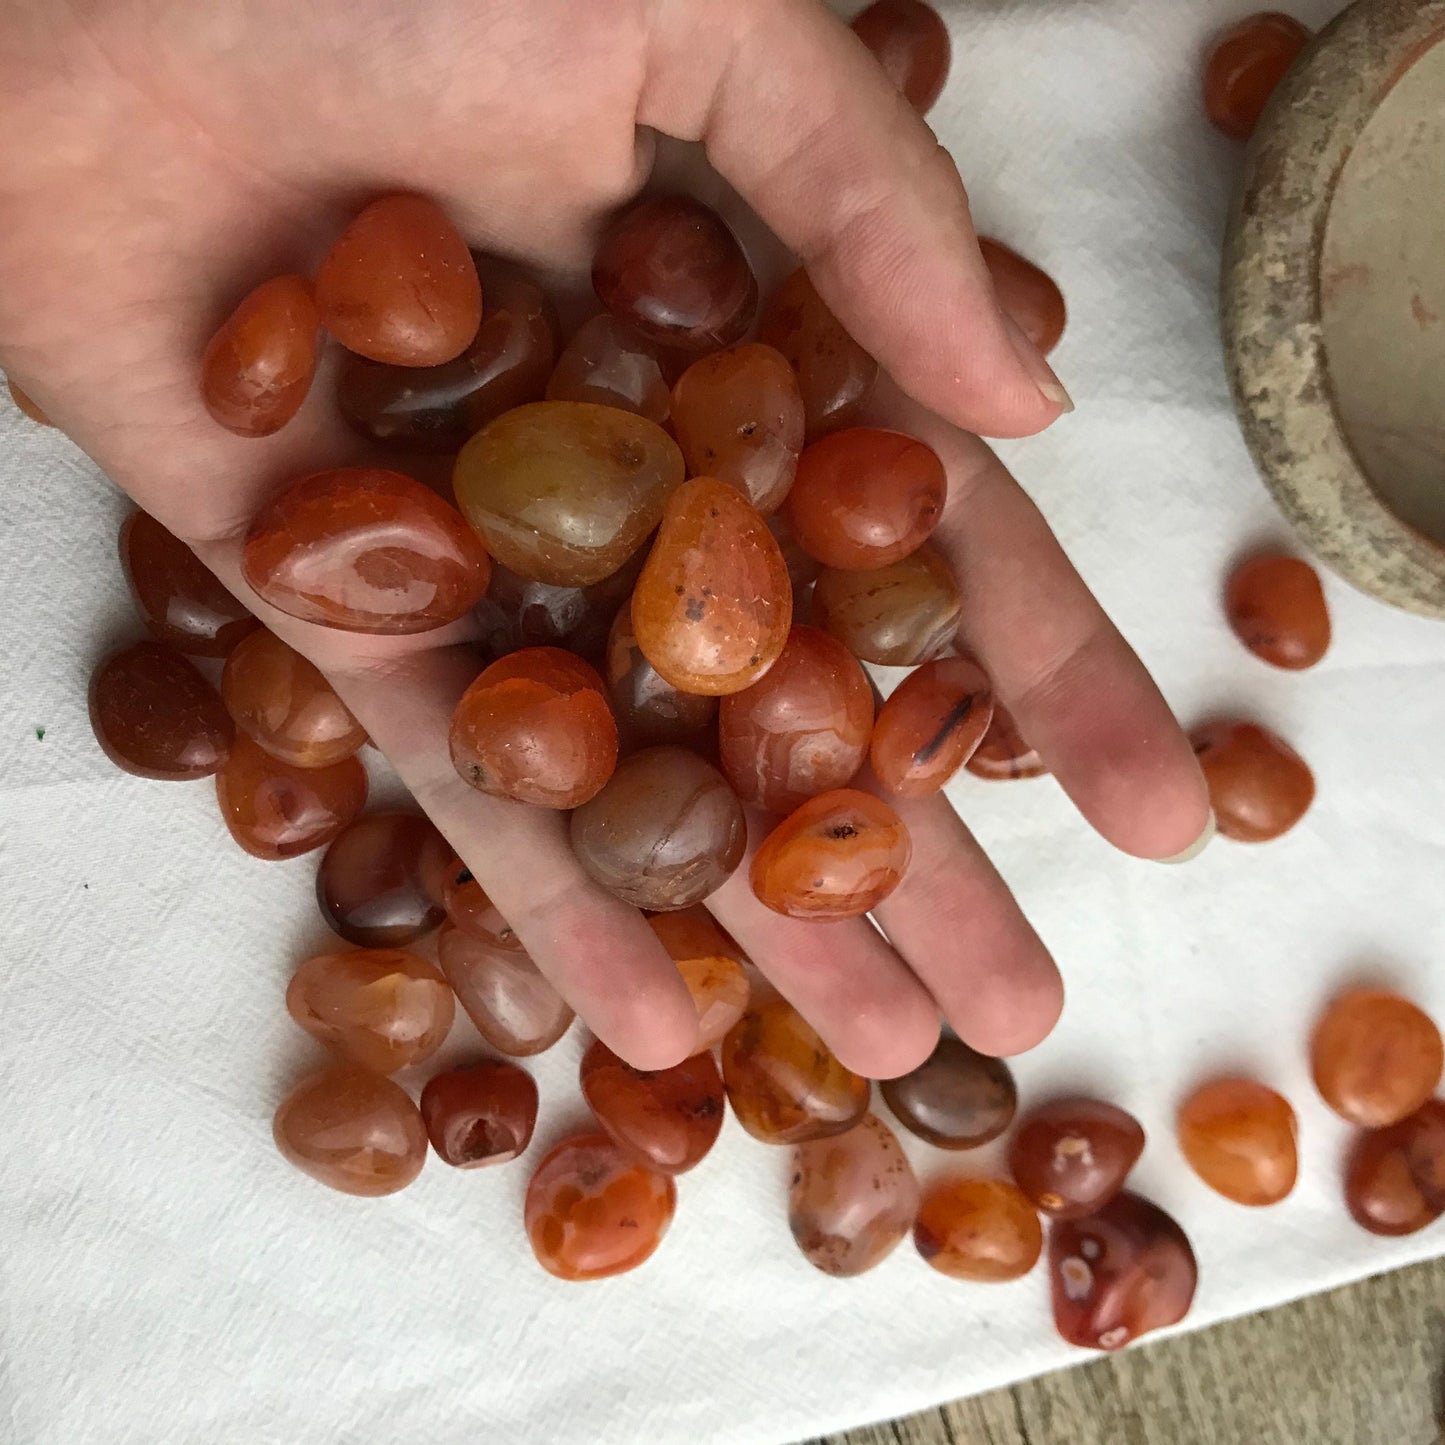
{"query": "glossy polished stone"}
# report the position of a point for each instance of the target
(276, 811)
(931, 726)
(1072, 1156)
(1376, 1057)
(480, 1115)
(956, 1098)
(1240, 1139)
(648, 708)
(978, 1229)
(382, 882)
(711, 965)
(897, 616)
(1276, 607)
(1259, 787)
(608, 363)
(513, 1007)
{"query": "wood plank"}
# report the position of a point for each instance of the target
(1358, 1366)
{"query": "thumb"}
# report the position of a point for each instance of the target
(797, 115)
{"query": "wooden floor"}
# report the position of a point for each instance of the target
(1360, 1366)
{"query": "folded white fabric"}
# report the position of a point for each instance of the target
(166, 1280)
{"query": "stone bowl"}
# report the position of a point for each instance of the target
(1334, 299)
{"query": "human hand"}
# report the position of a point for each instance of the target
(157, 158)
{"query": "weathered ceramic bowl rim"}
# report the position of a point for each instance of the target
(1271, 302)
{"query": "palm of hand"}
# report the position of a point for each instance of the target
(167, 156)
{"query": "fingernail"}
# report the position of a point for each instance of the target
(1044, 376)
(1197, 846)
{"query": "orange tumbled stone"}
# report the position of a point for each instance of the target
(835, 375)
(801, 729)
(667, 1118)
(910, 41)
(503, 992)
(865, 498)
(564, 492)
(648, 708)
(784, 1083)
(712, 607)
(365, 550)
(382, 882)
(837, 856)
(154, 715)
(283, 703)
(480, 1115)
(1395, 1179)
(853, 1198)
(352, 1130)
(738, 415)
(400, 285)
(259, 365)
(1027, 294)
(1245, 65)
(956, 1098)
(931, 725)
(1276, 607)
(27, 404)
(1003, 752)
(276, 810)
(1072, 1156)
(896, 616)
(535, 727)
(1375, 1057)
(468, 907)
(609, 364)
(978, 1229)
(1259, 787)
(1239, 1138)
(381, 1008)
(711, 967)
(180, 600)
(593, 1211)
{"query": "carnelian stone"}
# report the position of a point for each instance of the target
(803, 570)
(669, 267)
(352, 1130)
(864, 498)
(535, 727)
(802, 728)
(1375, 1057)
(956, 1098)
(1276, 607)
(519, 612)
(648, 708)
(712, 608)
(1003, 752)
(1259, 786)
(503, 992)
(365, 550)
(1027, 294)
(931, 725)
(738, 416)
(853, 1198)
(896, 616)
(1120, 1273)
(275, 810)
(27, 404)
(1239, 1138)
(1395, 1181)
(668, 1118)
(835, 375)
(784, 1083)
(480, 1115)
(381, 1008)
(436, 408)
(593, 1211)
(665, 831)
(382, 882)
(837, 856)
(400, 285)
(911, 43)
(1072, 1156)
(469, 908)
(1246, 64)
(565, 492)
(154, 715)
(711, 966)
(284, 704)
(259, 365)
(978, 1229)
(608, 363)
(180, 600)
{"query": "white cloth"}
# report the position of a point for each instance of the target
(166, 1280)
